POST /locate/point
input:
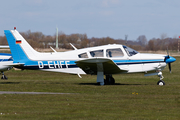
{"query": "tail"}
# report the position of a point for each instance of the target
(20, 48)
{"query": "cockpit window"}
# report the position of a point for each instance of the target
(114, 53)
(97, 53)
(83, 55)
(130, 51)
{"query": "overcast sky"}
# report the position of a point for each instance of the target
(96, 18)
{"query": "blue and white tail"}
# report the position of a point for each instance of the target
(20, 48)
(25, 57)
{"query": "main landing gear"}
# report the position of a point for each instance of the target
(109, 80)
(160, 82)
(3, 76)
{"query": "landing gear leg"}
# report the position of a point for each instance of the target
(160, 82)
(100, 78)
(3, 76)
(109, 80)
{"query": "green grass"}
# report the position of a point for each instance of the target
(134, 97)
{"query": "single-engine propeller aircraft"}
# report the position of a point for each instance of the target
(5, 60)
(102, 60)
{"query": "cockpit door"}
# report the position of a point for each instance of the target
(118, 56)
(133, 60)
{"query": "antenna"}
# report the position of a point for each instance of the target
(53, 49)
(73, 46)
(57, 38)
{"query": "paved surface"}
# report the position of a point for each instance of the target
(13, 92)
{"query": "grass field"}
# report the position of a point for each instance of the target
(133, 97)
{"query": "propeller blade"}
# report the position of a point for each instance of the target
(169, 64)
(167, 52)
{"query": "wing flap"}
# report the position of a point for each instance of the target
(89, 66)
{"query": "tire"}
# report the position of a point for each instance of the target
(112, 81)
(161, 83)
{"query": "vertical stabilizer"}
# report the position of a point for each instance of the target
(20, 49)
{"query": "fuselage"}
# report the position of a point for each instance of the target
(124, 57)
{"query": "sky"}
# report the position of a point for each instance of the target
(96, 18)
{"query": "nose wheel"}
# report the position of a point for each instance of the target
(160, 82)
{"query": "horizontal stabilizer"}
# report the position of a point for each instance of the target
(15, 64)
(90, 66)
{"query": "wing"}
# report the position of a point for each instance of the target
(90, 66)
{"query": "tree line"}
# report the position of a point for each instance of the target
(39, 40)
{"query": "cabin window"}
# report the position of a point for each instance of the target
(130, 51)
(83, 55)
(114, 53)
(97, 53)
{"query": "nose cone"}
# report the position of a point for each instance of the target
(169, 59)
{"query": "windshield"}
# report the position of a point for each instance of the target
(130, 51)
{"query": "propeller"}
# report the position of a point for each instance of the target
(167, 52)
(169, 64)
(168, 59)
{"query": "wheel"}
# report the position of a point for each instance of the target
(105, 83)
(160, 82)
(4, 77)
(112, 81)
(109, 80)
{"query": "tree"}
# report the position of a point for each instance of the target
(142, 40)
(163, 36)
(151, 45)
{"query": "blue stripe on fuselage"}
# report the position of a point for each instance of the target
(3, 60)
(49, 64)
(71, 64)
(128, 62)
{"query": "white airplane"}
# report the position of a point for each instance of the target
(5, 63)
(102, 60)
(5, 60)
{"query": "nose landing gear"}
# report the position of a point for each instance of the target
(160, 82)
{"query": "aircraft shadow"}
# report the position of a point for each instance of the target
(113, 84)
(9, 82)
